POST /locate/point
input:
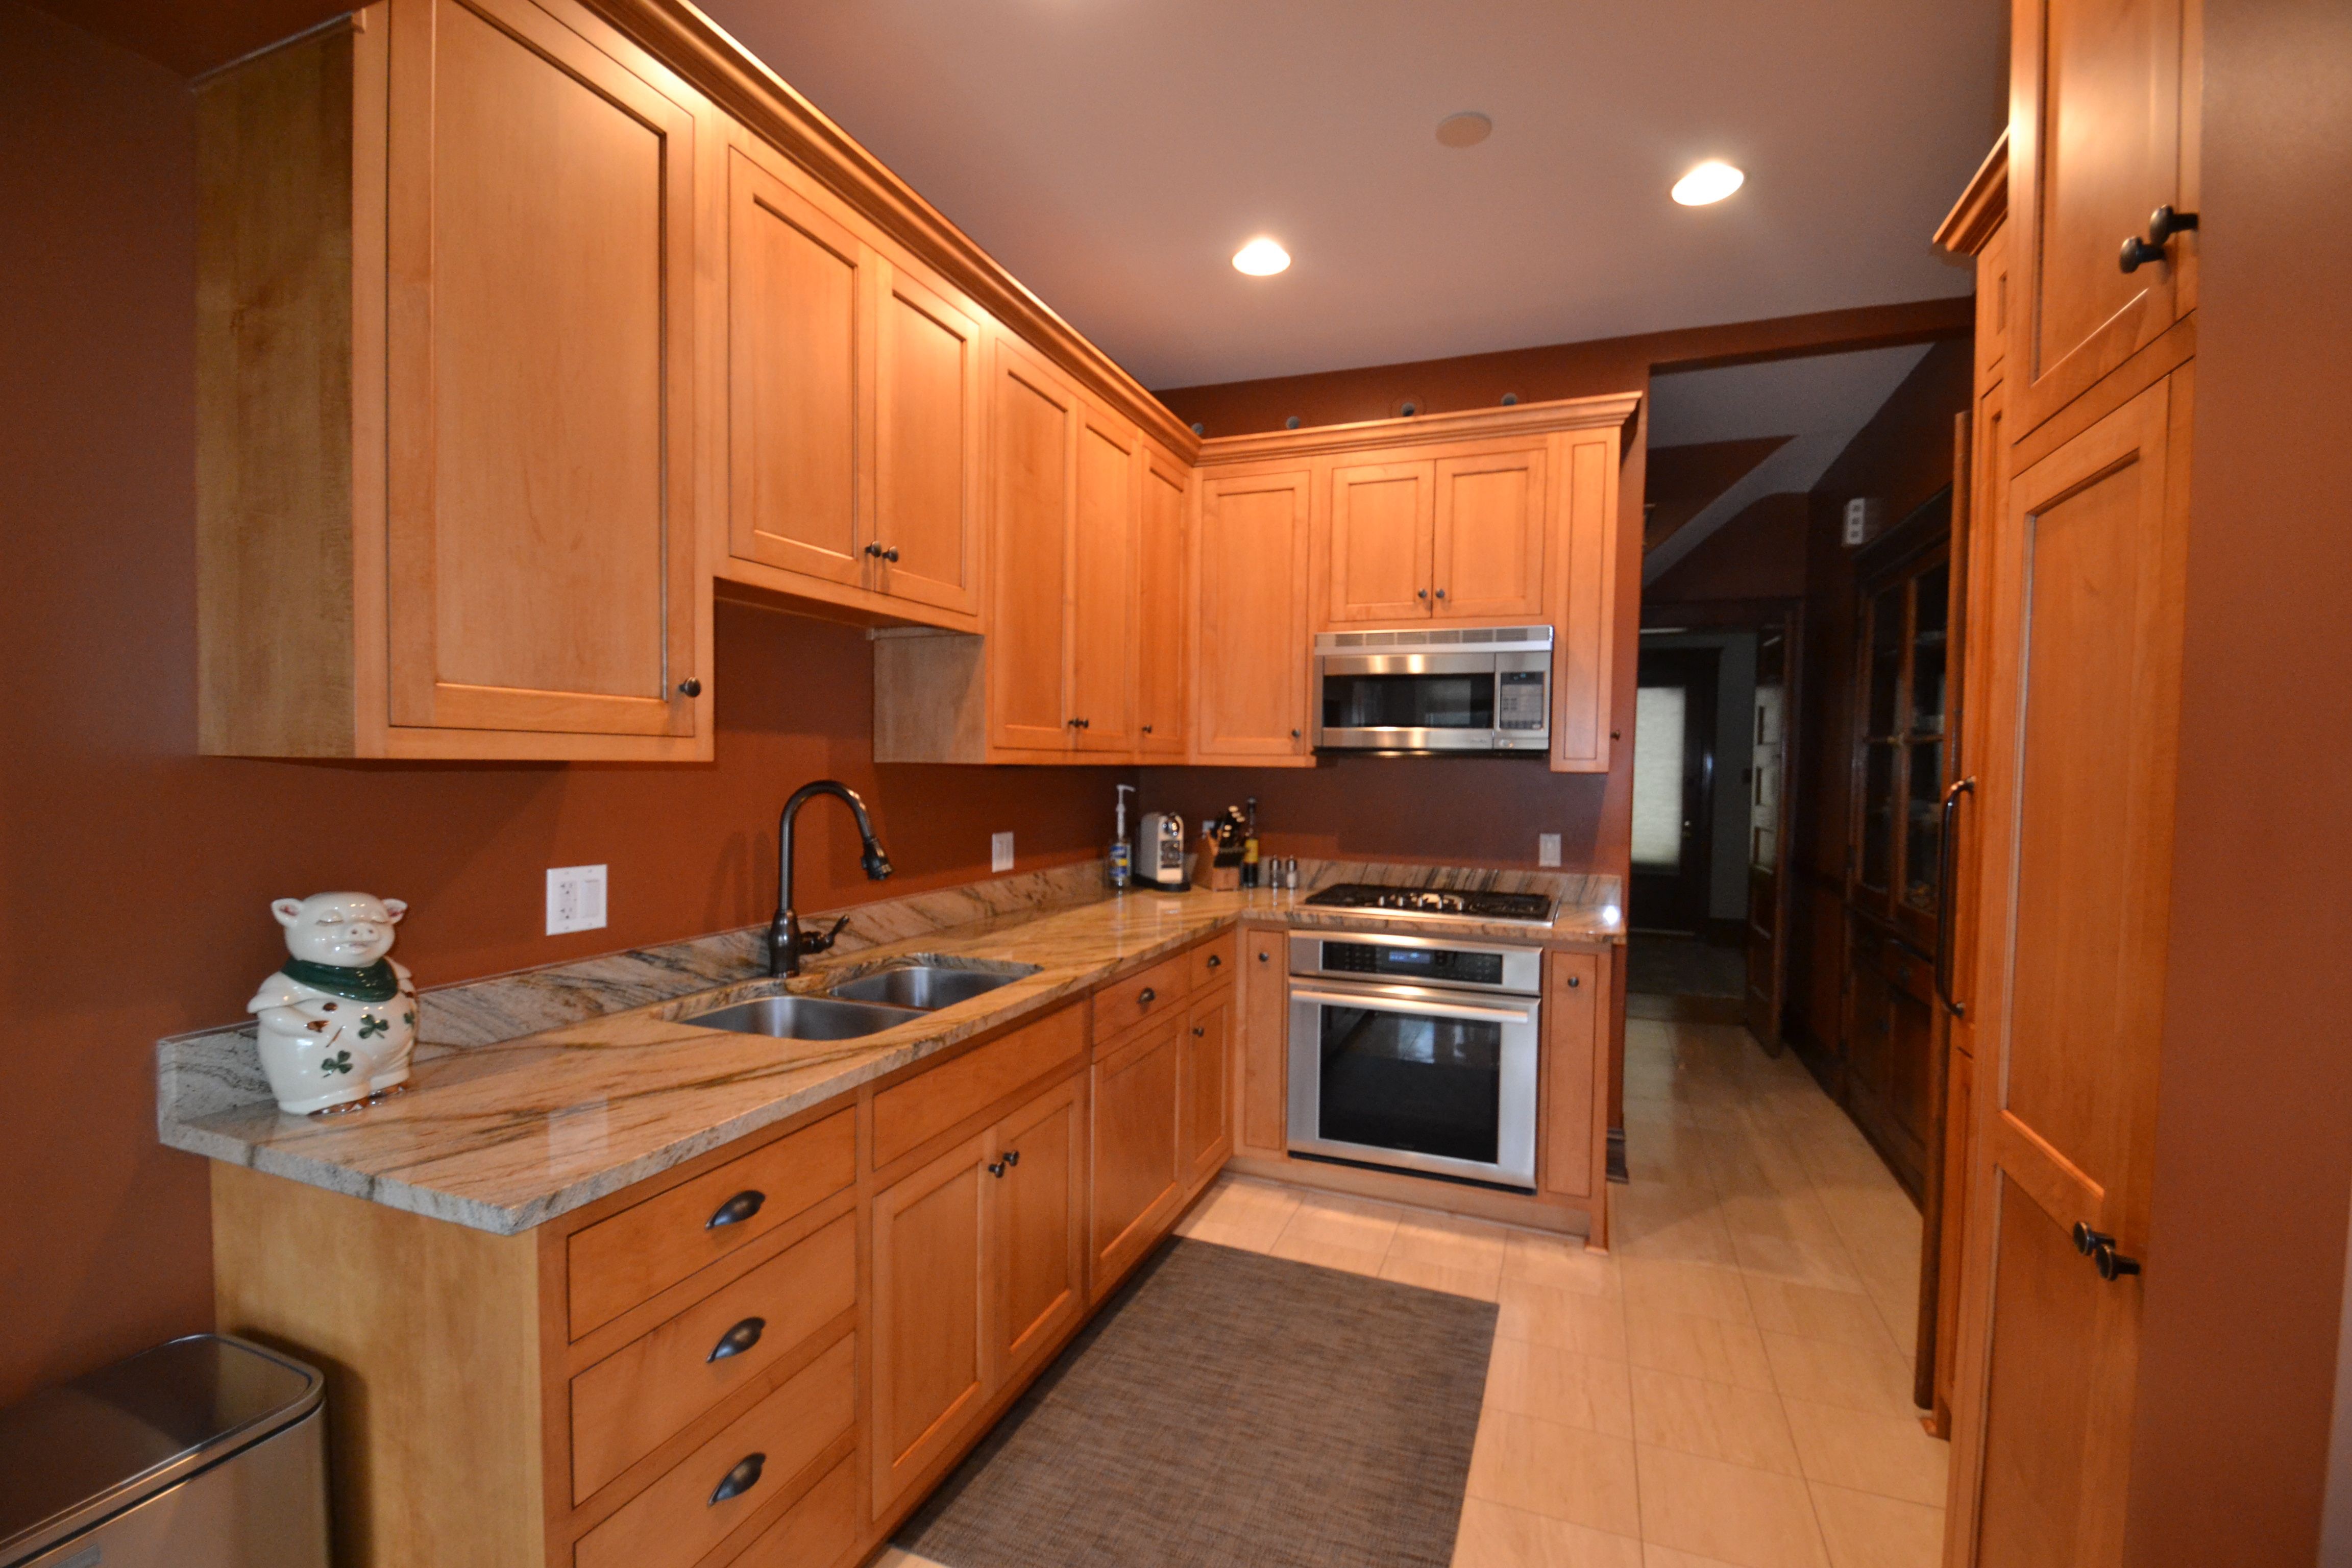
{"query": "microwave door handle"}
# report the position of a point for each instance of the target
(1379, 1003)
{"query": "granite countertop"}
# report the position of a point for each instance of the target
(510, 1122)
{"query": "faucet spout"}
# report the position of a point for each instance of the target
(787, 943)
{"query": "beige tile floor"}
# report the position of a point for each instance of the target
(1730, 1385)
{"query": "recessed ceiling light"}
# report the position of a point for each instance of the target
(1465, 129)
(1710, 181)
(1261, 257)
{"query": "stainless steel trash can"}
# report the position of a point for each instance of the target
(207, 1452)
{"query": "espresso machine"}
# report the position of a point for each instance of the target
(1159, 853)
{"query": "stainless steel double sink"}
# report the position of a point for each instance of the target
(865, 1005)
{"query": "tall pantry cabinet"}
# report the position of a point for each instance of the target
(2086, 300)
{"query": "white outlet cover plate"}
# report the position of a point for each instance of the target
(1547, 848)
(1000, 851)
(575, 898)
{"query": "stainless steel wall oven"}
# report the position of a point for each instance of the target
(1415, 1054)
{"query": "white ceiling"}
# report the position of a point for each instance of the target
(1114, 153)
(1820, 403)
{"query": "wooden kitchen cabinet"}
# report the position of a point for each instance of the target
(1033, 446)
(929, 365)
(2102, 133)
(1383, 524)
(447, 339)
(1205, 1077)
(1262, 1053)
(1039, 1252)
(1571, 1160)
(1163, 603)
(1251, 679)
(1103, 652)
(931, 1312)
(1137, 1179)
(1487, 555)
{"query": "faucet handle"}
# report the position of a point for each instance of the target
(824, 943)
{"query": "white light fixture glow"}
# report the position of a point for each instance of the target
(1261, 257)
(1710, 181)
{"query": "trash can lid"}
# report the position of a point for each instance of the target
(70, 1457)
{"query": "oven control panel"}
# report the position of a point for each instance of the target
(1414, 960)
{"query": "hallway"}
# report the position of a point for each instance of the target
(1730, 1387)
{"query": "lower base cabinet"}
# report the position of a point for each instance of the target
(1138, 1179)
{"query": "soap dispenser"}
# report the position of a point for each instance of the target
(1122, 857)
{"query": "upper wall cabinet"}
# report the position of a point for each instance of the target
(1495, 517)
(853, 455)
(1164, 639)
(2100, 136)
(447, 395)
(1059, 675)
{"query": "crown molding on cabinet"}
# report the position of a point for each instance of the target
(1613, 410)
(1981, 208)
(739, 82)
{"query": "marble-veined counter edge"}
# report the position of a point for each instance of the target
(258, 1136)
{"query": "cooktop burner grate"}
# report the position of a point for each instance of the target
(1438, 903)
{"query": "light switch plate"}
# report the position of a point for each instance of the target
(575, 898)
(1547, 848)
(1000, 851)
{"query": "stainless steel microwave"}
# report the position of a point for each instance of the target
(1425, 691)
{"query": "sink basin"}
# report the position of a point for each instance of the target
(803, 1018)
(922, 985)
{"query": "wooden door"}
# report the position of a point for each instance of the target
(1263, 1051)
(927, 483)
(1673, 790)
(1252, 636)
(1033, 453)
(1575, 1076)
(2081, 683)
(2097, 142)
(1205, 1088)
(1489, 545)
(1103, 525)
(1381, 532)
(1163, 649)
(931, 1312)
(540, 342)
(1136, 1177)
(797, 309)
(1036, 1168)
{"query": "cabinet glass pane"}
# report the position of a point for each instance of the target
(1877, 815)
(1923, 828)
(1885, 656)
(1931, 613)
(1658, 718)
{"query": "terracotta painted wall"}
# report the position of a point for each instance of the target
(134, 875)
(2253, 1143)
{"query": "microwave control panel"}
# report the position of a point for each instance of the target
(1520, 700)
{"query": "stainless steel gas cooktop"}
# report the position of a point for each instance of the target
(1438, 903)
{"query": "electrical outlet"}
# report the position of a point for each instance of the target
(1000, 851)
(1547, 848)
(575, 898)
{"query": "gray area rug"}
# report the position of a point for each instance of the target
(1231, 1408)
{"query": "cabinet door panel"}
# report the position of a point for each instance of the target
(1101, 680)
(1207, 1087)
(927, 499)
(793, 409)
(1571, 1045)
(1135, 1184)
(1041, 1205)
(1265, 1053)
(539, 338)
(929, 1338)
(1159, 612)
(1489, 551)
(1380, 542)
(1252, 664)
(1584, 648)
(1032, 451)
(2095, 147)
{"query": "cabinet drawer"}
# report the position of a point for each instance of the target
(927, 1105)
(629, 1403)
(1214, 960)
(673, 1521)
(1161, 989)
(815, 1530)
(641, 1251)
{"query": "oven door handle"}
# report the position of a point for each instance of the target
(1373, 1001)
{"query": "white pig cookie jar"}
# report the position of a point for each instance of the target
(339, 1021)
